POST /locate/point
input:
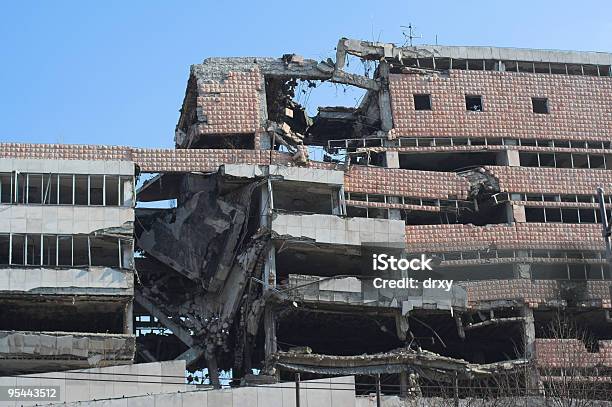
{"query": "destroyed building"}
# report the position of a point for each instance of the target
(485, 159)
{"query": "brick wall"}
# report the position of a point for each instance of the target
(231, 106)
(424, 184)
(572, 353)
(579, 106)
(531, 292)
(453, 237)
(153, 159)
(551, 180)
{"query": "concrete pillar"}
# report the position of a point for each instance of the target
(270, 331)
(270, 268)
(128, 318)
(533, 380)
(509, 158)
(265, 141)
(395, 213)
(392, 159)
(384, 98)
(515, 213)
(522, 270)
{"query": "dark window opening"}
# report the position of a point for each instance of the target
(446, 161)
(50, 189)
(529, 159)
(80, 247)
(547, 160)
(33, 250)
(422, 102)
(412, 217)
(540, 105)
(378, 213)
(549, 272)
(5, 241)
(570, 215)
(64, 250)
(111, 190)
(35, 188)
(356, 212)
(473, 103)
(104, 252)
(21, 180)
(577, 271)
(65, 189)
(96, 190)
(49, 250)
(596, 161)
(587, 215)
(534, 215)
(81, 189)
(6, 188)
(18, 250)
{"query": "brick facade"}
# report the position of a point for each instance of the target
(531, 292)
(423, 184)
(551, 180)
(571, 353)
(579, 106)
(459, 237)
(231, 106)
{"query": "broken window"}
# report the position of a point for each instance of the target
(127, 259)
(18, 249)
(5, 244)
(473, 103)
(50, 189)
(96, 189)
(34, 183)
(104, 252)
(80, 250)
(33, 250)
(64, 250)
(81, 190)
(6, 188)
(21, 181)
(422, 102)
(66, 192)
(111, 190)
(540, 105)
(126, 190)
(49, 257)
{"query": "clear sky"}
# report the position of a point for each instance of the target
(114, 72)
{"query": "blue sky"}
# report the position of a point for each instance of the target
(114, 72)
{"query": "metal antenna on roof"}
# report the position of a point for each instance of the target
(410, 35)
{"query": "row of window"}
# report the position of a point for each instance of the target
(405, 200)
(463, 141)
(473, 103)
(563, 215)
(565, 160)
(66, 189)
(573, 198)
(444, 63)
(64, 251)
(528, 253)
